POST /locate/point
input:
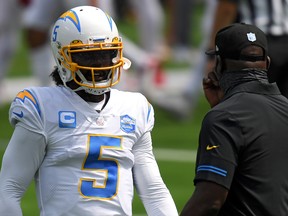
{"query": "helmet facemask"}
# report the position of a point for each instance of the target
(94, 67)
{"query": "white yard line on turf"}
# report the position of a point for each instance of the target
(161, 154)
(175, 155)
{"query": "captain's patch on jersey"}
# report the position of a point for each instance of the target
(67, 119)
(127, 124)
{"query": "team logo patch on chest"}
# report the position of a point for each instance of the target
(127, 124)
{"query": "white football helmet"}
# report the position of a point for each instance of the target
(87, 49)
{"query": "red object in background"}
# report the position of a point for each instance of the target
(159, 78)
(25, 3)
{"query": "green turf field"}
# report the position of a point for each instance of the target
(168, 133)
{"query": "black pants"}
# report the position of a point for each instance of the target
(278, 71)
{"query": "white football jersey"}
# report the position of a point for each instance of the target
(87, 168)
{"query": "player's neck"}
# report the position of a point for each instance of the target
(84, 95)
(90, 97)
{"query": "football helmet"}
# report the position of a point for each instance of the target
(87, 49)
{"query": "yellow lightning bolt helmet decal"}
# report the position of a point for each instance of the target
(71, 16)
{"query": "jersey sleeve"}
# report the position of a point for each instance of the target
(149, 116)
(149, 184)
(25, 111)
(146, 114)
(21, 161)
(219, 143)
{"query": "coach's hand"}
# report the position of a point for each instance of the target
(212, 90)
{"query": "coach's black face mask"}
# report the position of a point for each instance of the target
(230, 79)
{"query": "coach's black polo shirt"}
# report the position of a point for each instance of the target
(243, 146)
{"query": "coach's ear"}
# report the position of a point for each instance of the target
(268, 61)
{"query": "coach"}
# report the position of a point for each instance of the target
(243, 144)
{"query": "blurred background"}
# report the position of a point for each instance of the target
(163, 39)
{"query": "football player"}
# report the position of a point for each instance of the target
(86, 145)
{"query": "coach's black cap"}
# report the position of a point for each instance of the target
(232, 39)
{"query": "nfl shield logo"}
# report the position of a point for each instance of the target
(251, 37)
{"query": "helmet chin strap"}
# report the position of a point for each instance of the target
(92, 91)
(89, 90)
(99, 91)
(95, 91)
